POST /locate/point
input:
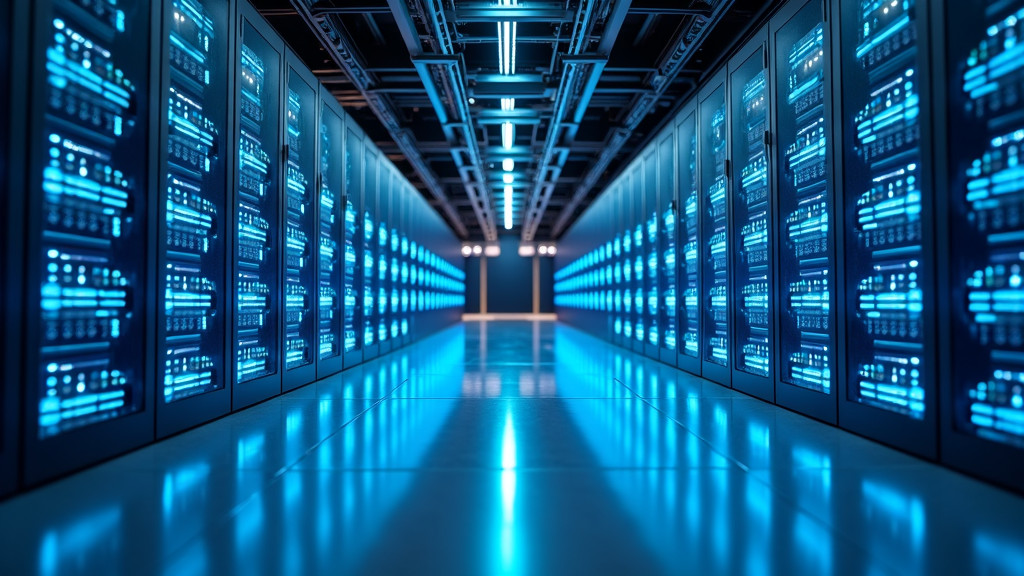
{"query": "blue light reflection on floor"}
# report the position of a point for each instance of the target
(514, 448)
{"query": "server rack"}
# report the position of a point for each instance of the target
(258, 207)
(888, 273)
(369, 256)
(353, 324)
(690, 349)
(300, 223)
(651, 255)
(753, 216)
(977, 88)
(713, 176)
(405, 224)
(90, 239)
(805, 291)
(12, 159)
(332, 238)
(383, 257)
(192, 382)
(394, 266)
(617, 225)
(636, 261)
(667, 214)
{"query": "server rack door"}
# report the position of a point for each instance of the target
(637, 258)
(405, 205)
(330, 263)
(395, 268)
(617, 224)
(983, 351)
(383, 257)
(90, 264)
(353, 322)
(806, 262)
(369, 255)
(609, 233)
(300, 224)
(667, 215)
(690, 205)
(12, 161)
(888, 280)
(258, 204)
(192, 381)
(712, 154)
(753, 222)
(651, 253)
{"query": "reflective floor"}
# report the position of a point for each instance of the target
(514, 448)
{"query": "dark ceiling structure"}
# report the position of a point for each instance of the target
(512, 115)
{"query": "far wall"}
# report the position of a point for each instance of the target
(510, 281)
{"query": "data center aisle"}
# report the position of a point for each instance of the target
(514, 448)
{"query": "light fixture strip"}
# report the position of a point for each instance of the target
(508, 207)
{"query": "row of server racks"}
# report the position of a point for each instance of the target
(192, 225)
(835, 224)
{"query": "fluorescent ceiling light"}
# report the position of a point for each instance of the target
(508, 207)
(508, 164)
(507, 178)
(508, 135)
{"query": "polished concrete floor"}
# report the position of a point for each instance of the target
(514, 448)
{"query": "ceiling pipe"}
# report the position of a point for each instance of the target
(443, 74)
(338, 46)
(669, 68)
(580, 75)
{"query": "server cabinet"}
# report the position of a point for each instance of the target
(983, 188)
(353, 322)
(651, 254)
(666, 263)
(331, 254)
(90, 267)
(383, 260)
(300, 224)
(712, 154)
(637, 259)
(12, 161)
(192, 381)
(405, 225)
(617, 225)
(394, 267)
(806, 236)
(370, 348)
(689, 240)
(753, 229)
(258, 205)
(888, 279)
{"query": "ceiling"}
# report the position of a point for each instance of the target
(591, 80)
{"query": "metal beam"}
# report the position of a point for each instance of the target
(443, 73)
(580, 75)
(685, 45)
(341, 49)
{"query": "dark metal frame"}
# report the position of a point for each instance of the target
(668, 200)
(993, 461)
(710, 370)
(688, 115)
(292, 65)
(754, 384)
(917, 436)
(370, 197)
(12, 149)
(259, 389)
(651, 202)
(45, 459)
(188, 412)
(809, 402)
(354, 138)
(328, 104)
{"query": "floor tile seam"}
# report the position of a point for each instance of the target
(743, 467)
(492, 469)
(274, 478)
